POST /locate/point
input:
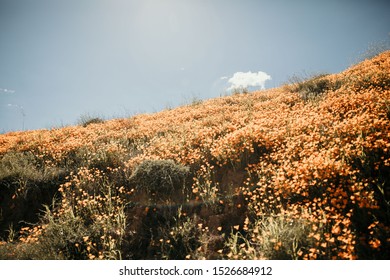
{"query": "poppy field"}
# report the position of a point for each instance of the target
(296, 172)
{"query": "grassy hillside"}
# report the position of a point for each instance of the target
(296, 172)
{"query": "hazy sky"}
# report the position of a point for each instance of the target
(113, 58)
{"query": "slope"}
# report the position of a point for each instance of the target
(296, 172)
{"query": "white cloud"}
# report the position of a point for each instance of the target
(248, 79)
(224, 78)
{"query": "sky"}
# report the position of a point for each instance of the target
(61, 60)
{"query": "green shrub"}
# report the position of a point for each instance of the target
(87, 119)
(240, 90)
(160, 178)
(19, 165)
(180, 240)
(273, 237)
(312, 87)
(58, 239)
(25, 185)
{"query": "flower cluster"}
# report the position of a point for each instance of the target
(314, 172)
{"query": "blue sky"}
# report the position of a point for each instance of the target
(114, 58)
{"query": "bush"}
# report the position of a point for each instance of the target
(273, 237)
(24, 186)
(161, 178)
(87, 119)
(240, 90)
(312, 87)
(18, 165)
(180, 240)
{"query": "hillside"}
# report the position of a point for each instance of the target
(296, 172)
